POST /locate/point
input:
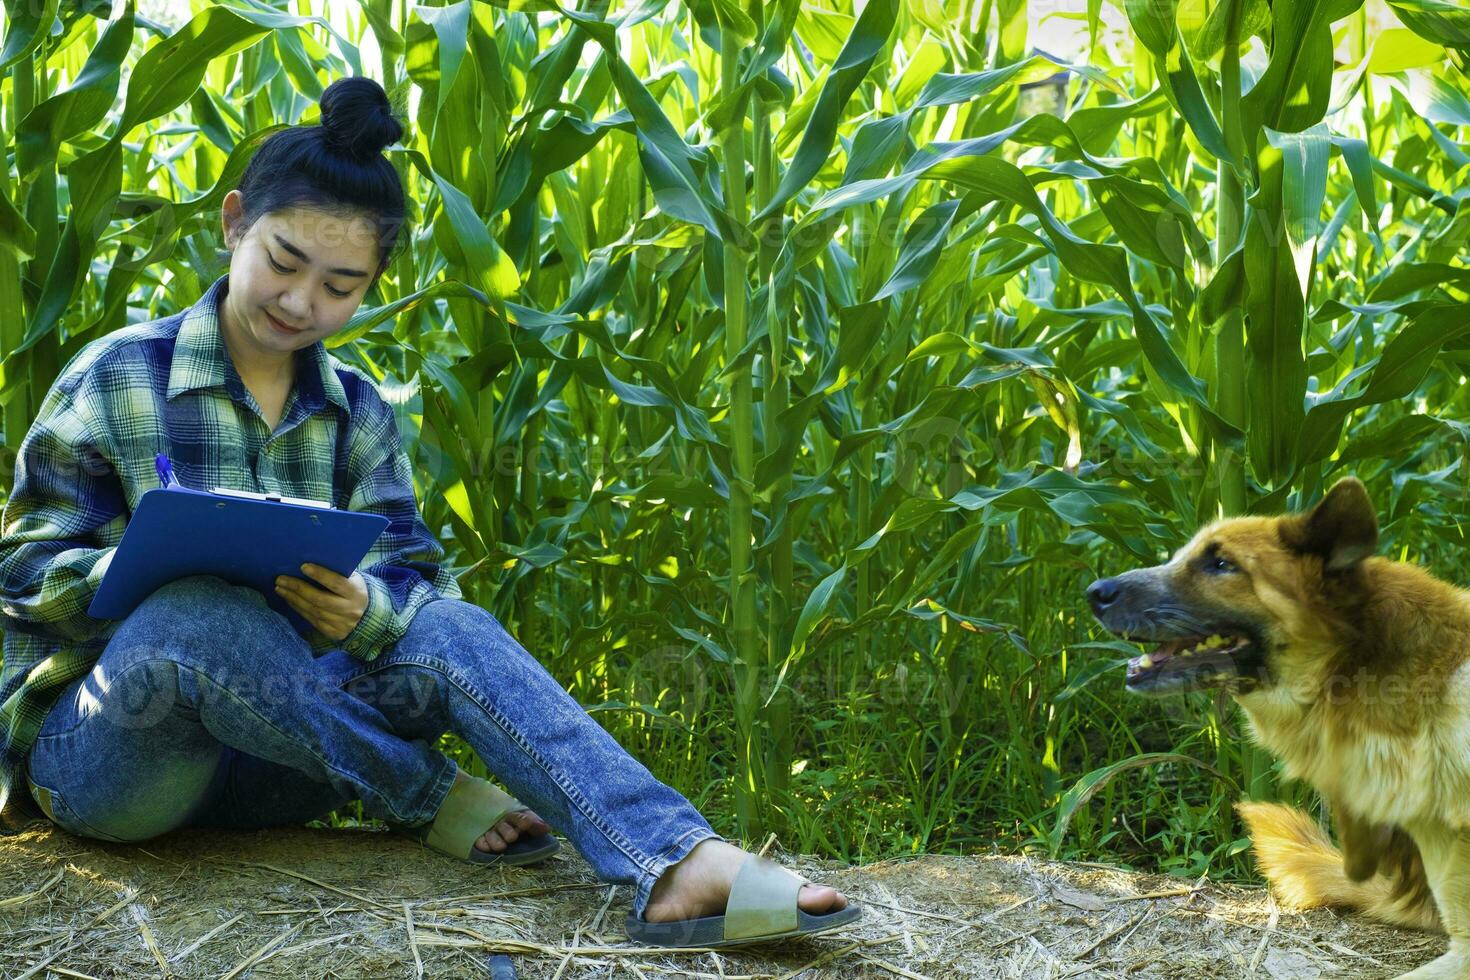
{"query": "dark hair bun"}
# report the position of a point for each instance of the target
(357, 119)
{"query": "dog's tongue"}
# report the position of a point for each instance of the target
(1165, 651)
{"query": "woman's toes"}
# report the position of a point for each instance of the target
(820, 899)
(528, 823)
(510, 829)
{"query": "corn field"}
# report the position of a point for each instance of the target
(780, 372)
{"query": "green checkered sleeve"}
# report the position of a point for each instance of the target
(61, 523)
(403, 569)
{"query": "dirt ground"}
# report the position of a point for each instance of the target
(356, 903)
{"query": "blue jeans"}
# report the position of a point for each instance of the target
(206, 709)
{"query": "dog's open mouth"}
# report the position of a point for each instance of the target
(1195, 663)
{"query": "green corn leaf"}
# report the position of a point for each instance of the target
(1441, 21)
(16, 234)
(1433, 97)
(28, 25)
(1276, 369)
(812, 612)
(82, 105)
(868, 37)
(1394, 374)
(920, 251)
(169, 72)
(451, 26)
(1304, 159)
(494, 272)
(1294, 92)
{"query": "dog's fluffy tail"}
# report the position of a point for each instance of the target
(1306, 870)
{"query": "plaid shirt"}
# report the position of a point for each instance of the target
(169, 386)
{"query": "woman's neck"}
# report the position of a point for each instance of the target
(254, 367)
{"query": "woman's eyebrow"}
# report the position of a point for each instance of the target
(306, 258)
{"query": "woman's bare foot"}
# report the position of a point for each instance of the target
(698, 886)
(510, 829)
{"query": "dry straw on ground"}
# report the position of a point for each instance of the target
(365, 904)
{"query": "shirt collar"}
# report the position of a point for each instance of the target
(201, 360)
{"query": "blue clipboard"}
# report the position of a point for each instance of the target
(177, 531)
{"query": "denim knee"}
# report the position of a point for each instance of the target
(461, 632)
(200, 598)
(146, 760)
(451, 617)
(205, 623)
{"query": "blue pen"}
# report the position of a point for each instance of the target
(165, 470)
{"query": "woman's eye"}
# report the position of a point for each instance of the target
(280, 268)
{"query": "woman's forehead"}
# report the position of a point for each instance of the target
(324, 237)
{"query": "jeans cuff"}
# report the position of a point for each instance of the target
(438, 789)
(672, 855)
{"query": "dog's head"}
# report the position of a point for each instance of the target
(1235, 605)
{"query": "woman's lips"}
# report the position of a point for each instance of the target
(281, 326)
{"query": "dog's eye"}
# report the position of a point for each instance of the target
(1220, 565)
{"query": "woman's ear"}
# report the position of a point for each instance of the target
(232, 218)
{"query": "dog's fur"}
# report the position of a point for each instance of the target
(1357, 677)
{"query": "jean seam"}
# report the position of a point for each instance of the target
(665, 854)
(245, 705)
(572, 793)
(59, 805)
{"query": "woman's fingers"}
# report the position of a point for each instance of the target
(329, 580)
(317, 606)
(339, 601)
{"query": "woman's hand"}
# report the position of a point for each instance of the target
(333, 606)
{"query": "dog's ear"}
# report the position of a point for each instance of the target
(1342, 529)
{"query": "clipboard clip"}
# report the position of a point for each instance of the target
(168, 479)
(273, 497)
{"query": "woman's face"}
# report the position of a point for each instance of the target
(296, 277)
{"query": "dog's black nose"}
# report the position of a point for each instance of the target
(1103, 593)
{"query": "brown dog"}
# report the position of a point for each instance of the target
(1354, 670)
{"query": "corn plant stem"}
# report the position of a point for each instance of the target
(1230, 224)
(867, 225)
(748, 786)
(405, 266)
(1231, 217)
(777, 394)
(12, 302)
(42, 213)
(528, 459)
(1231, 340)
